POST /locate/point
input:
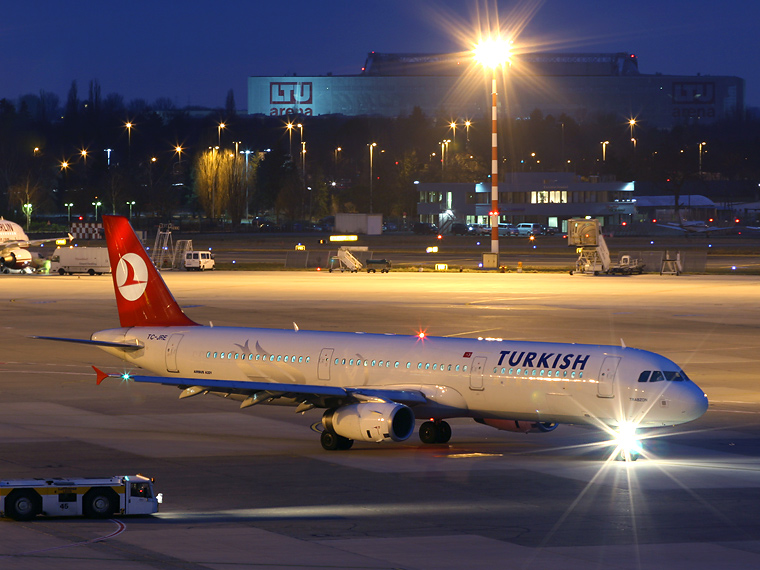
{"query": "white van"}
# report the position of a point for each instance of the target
(199, 260)
(528, 229)
(92, 260)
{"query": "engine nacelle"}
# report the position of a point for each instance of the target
(519, 425)
(16, 258)
(371, 421)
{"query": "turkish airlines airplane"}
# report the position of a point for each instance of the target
(13, 244)
(374, 386)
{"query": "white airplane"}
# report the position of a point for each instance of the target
(374, 386)
(13, 243)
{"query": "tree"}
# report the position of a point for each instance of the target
(229, 104)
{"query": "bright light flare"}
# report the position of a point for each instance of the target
(493, 52)
(627, 443)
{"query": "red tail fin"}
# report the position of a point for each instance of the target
(142, 297)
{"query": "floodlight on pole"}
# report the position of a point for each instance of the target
(491, 53)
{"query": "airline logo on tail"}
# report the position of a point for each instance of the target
(131, 276)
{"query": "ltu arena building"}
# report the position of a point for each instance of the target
(580, 85)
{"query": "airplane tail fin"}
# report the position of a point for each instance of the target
(142, 297)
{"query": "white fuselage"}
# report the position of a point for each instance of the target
(480, 378)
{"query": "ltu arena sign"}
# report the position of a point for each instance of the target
(289, 97)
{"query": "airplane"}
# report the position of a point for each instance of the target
(13, 243)
(373, 387)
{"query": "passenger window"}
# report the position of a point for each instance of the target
(427, 366)
(408, 364)
(271, 358)
(229, 355)
(449, 368)
(215, 355)
(494, 370)
(518, 371)
(307, 358)
(250, 356)
(351, 362)
(373, 362)
(222, 355)
(457, 368)
(435, 366)
(236, 355)
(419, 366)
(208, 354)
(464, 368)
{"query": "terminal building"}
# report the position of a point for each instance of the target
(579, 85)
(550, 198)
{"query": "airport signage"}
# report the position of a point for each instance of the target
(693, 99)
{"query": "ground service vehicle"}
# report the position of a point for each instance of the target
(91, 260)
(199, 260)
(102, 497)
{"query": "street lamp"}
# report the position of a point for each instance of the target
(246, 153)
(178, 151)
(290, 126)
(68, 205)
(28, 211)
(700, 157)
(97, 205)
(467, 131)
(108, 152)
(371, 176)
(632, 123)
(493, 53)
(604, 150)
(219, 128)
(130, 204)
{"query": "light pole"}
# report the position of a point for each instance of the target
(97, 205)
(178, 151)
(493, 53)
(371, 175)
(467, 131)
(128, 125)
(290, 126)
(68, 205)
(219, 128)
(130, 204)
(246, 153)
(108, 152)
(700, 157)
(632, 123)
(604, 150)
(28, 211)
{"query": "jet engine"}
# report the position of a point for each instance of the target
(370, 421)
(519, 425)
(16, 258)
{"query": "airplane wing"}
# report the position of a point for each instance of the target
(10, 245)
(262, 391)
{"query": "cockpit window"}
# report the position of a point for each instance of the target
(675, 376)
(657, 376)
(644, 376)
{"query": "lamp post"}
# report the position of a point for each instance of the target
(700, 157)
(178, 151)
(97, 205)
(128, 125)
(467, 132)
(28, 211)
(371, 175)
(246, 153)
(290, 126)
(108, 152)
(130, 204)
(219, 128)
(493, 53)
(68, 205)
(632, 123)
(604, 150)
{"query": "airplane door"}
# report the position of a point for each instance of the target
(171, 352)
(323, 368)
(606, 387)
(476, 372)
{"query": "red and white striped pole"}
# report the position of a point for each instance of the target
(494, 172)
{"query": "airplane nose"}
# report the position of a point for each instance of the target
(696, 403)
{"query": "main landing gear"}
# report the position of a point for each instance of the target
(436, 431)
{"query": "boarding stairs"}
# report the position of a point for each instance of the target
(593, 254)
(347, 260)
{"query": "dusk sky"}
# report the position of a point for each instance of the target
(193, 52)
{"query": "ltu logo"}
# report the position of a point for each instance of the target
(693, 93)
(131, 276)
(290, 93)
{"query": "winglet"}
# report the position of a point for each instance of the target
(101, 375)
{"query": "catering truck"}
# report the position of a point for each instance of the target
(91, 260)
(92, 497)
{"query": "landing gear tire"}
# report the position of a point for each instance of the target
(435, 432)
(332, 441)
